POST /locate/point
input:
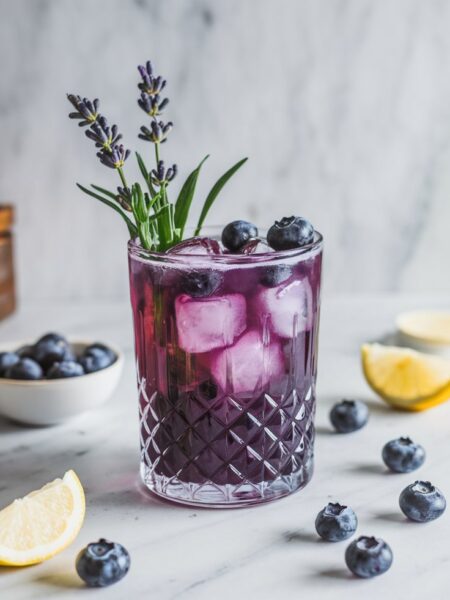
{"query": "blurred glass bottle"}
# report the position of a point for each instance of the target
(7, 287)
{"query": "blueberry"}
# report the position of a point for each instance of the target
(336, 522)
(102, 563)
(349, 415)
(50, 350)
(64, 369)
(403, 455)
(368, 556)
(25, 351)
(422, 502)
(52, 337)
(236, 234)
(200, 284)
(275, 275)
(99, 350)
(7, 360)
(290, 232)
(26, 368)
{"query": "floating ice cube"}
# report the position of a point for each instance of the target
(256, 246)
(209, 323)
(248, 365)
(196, 245)
(287, 308)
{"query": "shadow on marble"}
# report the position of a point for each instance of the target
(391, 517)
(302, 536)
(334, 574)
(370, 469)
(7, 426)
(67, 580)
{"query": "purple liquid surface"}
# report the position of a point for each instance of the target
(226, 382)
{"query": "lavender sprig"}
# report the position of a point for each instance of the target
(86, 110)
(158, 223)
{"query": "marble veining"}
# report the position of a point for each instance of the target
(343, 107)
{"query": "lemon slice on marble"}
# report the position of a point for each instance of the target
(405, 378)
(43, 523)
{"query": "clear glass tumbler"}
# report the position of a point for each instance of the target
(226, 378)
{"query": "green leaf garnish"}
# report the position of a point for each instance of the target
(215, 191)
(133, 231)
(184, 200)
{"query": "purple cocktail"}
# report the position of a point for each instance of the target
(226, 354)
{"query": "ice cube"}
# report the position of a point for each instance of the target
(248, 365)
(208, 323)
(287, 308)
(256, 246)
(196, 245)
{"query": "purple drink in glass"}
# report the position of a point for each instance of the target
(226, 356)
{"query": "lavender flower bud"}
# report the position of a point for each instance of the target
(86, 111)
(157, 133)
(150, 85)
(103, 135)
(124, 198)
(152, 104)
(160, 176)
(115, 159)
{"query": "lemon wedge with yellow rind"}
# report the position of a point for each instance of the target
(405, 378)
(43, 523)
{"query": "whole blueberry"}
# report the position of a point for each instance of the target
(48, 351)
(25, 351)
(290, 232)
(97, 357)
(26, 368)
(274, 275)
(236, 234)
(99, 350)
(7, 360)
(422, 502)
(336, 522)
(52, 337)
(102, 563)
(349, 415)
(64, 369)
(403, 455)
(368, 556)
(200, 284)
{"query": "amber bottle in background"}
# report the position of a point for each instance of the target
(7, 288)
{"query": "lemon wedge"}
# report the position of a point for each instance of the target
(406, 378)
(43, 523)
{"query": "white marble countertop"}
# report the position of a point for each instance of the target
(266, 552)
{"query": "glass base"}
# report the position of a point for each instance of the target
(211, 495)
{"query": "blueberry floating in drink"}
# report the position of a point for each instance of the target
(102, 563)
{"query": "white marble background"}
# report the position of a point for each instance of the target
(342, 105)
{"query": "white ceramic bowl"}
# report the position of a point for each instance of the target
(52, 401)
(426, 331)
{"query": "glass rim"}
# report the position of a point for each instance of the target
(137, 251)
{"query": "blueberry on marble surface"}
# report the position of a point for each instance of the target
(237, 233)
(102, 563)
(403, 455)
(336, 522)
(7, 360)
(289, 233)
(200, 284)
(349, 415)
(25, 351)
(65, 369)
(274, 275)
(422, 502)
(52, 337)
(368, 556)
(25, 368)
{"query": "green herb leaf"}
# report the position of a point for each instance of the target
(105, 192)
(131, 226)
(184, 200)
(215, 191)
(145, 174)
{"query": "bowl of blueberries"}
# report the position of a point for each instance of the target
(52, 379)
